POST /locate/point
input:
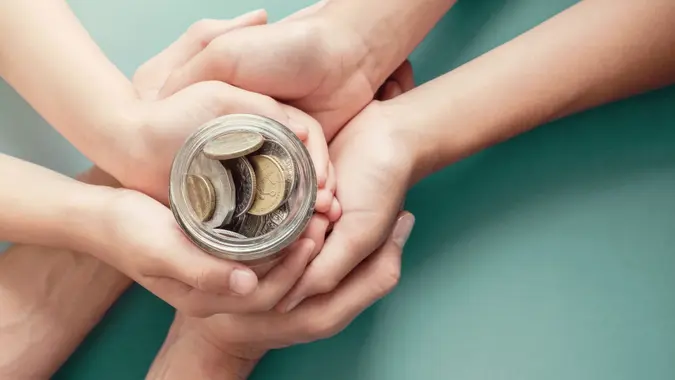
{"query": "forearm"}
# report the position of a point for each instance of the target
(45, 208)
(593, 53)
(50, 299)
(186, 356)
(391, 29)
(49, 58)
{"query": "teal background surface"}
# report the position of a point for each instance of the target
(550, 256)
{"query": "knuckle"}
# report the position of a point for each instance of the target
(268, 106)
(324, 284)
(390, 279)
(141, 72)
(274, 107)
(388, 276)
(323, 327)
(200, 279)
(201, 31)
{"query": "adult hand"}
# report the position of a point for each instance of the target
(309, 61)
(374, 163)
(235, 342)
(163, 125)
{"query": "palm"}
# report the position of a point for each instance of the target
(372, 173)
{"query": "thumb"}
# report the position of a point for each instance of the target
(202, 271)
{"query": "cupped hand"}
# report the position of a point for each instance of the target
(163, 125)
(139, 236)
(249, 336)
(313, 64)
(374, 166)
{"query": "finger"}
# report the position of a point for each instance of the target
(316, 142)
(188, 264)
(316, 231)
(348, 244)
(324, 316)
(150, 77)
(218, 98)
(305, 11)
(282, 277)
(298, 129)
(404, 76)
(335, 211)
(276, 283)
(214, 63)
(324, 201)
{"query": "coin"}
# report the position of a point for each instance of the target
(228, 233)
(250, 225)
(201, 195)
(270, 189)
(244, 183)
(223, 184)
(276, 150)
(274, 219)
(232, 145)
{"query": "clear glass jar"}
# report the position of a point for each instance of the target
(258, 251)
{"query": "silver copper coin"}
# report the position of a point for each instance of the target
(232, 145)
(244, 183)
(201, 196)
(250, 225)
(223, 185)
(275, 219)
(276, 150)
(228, 233)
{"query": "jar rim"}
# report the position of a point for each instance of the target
(253, 249)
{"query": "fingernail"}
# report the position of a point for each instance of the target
(293, 304)
(402, 230)
(243, 282)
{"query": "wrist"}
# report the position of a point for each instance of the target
(86, 211)
(414, 142)
(124, 145)
(377, 57)
(186, 352)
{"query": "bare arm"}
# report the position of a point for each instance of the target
(50, 299)
(187, 356)
(43, 207)
(390, 28)
(50, 59)
(593, 53)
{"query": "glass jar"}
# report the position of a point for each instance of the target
(298, 205)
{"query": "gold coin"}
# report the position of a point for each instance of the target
(201, 195)
(271, 185)
(232, 145)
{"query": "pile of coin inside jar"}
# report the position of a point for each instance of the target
(243, 188)
(239, 184)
